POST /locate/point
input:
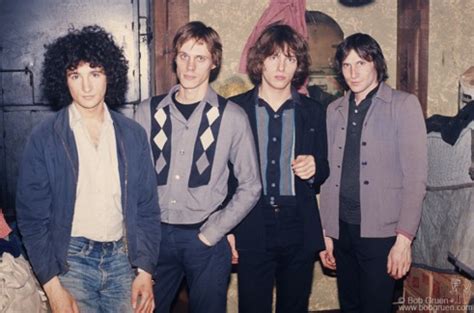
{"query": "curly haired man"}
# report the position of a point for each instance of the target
(86, 203)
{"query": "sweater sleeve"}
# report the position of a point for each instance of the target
(243, 156)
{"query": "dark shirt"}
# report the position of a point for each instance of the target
(185, 109)
(276, 136)
(349, 197)
(276, 130)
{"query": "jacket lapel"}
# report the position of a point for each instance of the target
(63, 129)
(252, 115)
(301, 120)
(121, 156)
(299, 129)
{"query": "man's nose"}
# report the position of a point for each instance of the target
(86, 85)
(191, 64)
(281, 64)
(354, 72)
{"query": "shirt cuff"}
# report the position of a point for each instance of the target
(405, 234)
(140, 270)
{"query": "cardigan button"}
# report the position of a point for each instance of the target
(364, 143)
(366, 182)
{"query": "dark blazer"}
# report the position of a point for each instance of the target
(310, 138)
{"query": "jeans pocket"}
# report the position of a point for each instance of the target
(121, 248)
(77, 249)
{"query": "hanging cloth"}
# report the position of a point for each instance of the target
(289, 12)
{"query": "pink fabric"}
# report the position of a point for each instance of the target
(4, 228)
(289, 12)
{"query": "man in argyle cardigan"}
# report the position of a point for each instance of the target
(197, 138)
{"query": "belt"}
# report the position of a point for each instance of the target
(186, 226)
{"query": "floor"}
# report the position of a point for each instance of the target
(181, 305)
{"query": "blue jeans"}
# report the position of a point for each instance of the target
(207, 270)
(99, 277)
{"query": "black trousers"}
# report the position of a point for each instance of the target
(207, 270)
(363, 283)
(284, 263)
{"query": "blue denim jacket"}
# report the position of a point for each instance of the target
(47, 190)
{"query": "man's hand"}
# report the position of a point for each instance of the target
(204, 239)
(142, 293)
(235, 253)
(399, 258)
(304, 166)
(327, 256)
(60, 300)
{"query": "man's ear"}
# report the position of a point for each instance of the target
(213, 66)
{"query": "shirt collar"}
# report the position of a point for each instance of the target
(287, 105)
(75, 116)
(370, 95)
(294, 100)
(295, 95)
(210, 97)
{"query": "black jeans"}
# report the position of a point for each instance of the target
(284, 263)
(207, 271)
(363, 283)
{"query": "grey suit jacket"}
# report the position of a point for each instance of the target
(393, 170)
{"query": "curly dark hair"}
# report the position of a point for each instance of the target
(367, 48)
(93, 45)
(279, 37)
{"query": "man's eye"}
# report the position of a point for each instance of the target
(183, 56)
(73, 76)
(292, 59)
(201, 58)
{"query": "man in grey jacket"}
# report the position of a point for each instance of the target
(194, 135)
(371, 203)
